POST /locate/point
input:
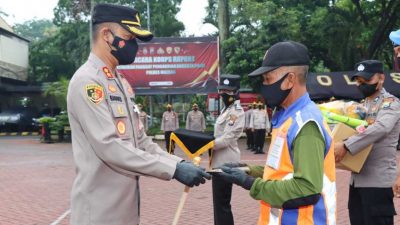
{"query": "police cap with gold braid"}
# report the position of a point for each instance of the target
(127, 17)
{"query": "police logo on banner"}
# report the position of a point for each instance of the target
(95, 93)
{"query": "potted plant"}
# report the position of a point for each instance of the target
(46, 129)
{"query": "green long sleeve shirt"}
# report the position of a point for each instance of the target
(308, 162)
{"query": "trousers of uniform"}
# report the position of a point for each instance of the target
(222, 193)
(250, 138)
(167, 135)
(371, 206)
(259, 139)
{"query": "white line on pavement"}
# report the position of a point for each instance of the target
(59, 219)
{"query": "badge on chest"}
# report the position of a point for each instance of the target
(275, 152)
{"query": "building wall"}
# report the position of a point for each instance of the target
(4, 25)
(14, 54)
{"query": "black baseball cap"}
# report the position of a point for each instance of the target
(367, 69)
(288, 53)
(127, 17)
(229, 82)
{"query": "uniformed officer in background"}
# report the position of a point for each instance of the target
(370, 195)
(395, 38)
(249, 133)
(195, 119)
(259, 124)
(110, 147)
(143, 117)
(228, 128)
(169, 123)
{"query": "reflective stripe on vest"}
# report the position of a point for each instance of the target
(324, 211)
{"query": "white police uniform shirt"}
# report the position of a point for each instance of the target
(110, 148)
(227, 130)
(195, 121)
(379, 169)
(260, 120)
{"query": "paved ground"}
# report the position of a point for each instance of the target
(35, 181)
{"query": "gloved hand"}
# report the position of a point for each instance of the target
(236, 176)
(189, 174)
(235, 164)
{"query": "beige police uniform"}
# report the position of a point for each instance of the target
(227, 130)
(379, 170)
(170, 121)
(259, 120)
(248, 116)
(110, 148)
(195, 121)
(249, 133)
(260, 123)
(143, 119)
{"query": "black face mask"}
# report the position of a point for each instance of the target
(273, 95)
(227, 99)
(367, 89)
(126, 50)
(259, 107)
(169, 109)
(195, 109)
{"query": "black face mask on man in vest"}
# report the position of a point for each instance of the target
(273, 94)
(125, 51)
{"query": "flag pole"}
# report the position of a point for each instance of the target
(185, 193)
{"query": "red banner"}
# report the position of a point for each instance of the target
(174, 66)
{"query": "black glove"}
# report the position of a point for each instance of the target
(189, 174)
(236, 176)
(235, 164)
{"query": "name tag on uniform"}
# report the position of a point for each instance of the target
(275, 153)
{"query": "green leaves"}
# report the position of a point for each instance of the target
(337, 33)
(58, 48)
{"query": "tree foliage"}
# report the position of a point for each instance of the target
(338, 33)
(58, 90)
(35, 30)
(60, 46)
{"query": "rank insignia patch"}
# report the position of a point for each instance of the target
(121, 110)
(95, 93)
(121, 127)
(386, 105)
(112, 88)
(108, 73)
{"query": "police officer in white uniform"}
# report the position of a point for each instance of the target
(143, 117)
(169, 123)
(195, 119)
(110, 147)
(259, 124)
(249, 134)
(228, 128)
